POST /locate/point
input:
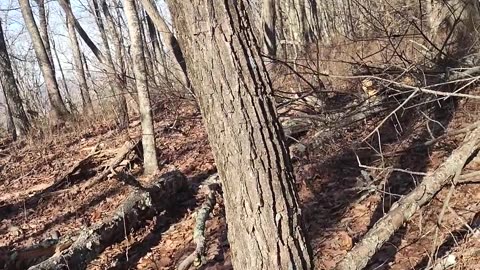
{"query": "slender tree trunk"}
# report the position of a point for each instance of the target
(77, 60)
(156, 49)
(43, 28)
(10, 125)
(68, 97)
(12, 95)
(115, 34)
(115, 81)
(170, 41)
(139, 65)
(268, 21)
(59, 111)
(148, 55)
(265, 227)
(117, 84)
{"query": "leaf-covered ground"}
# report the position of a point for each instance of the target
(337, 208)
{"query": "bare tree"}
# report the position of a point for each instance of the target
(43, 28)
(170, 41)
(156, 50)
(77, 60)
(68, 97)
(12, 95)
(105, 58)
(59, 111)
(115, 34)
(139, 65)
(265, 227)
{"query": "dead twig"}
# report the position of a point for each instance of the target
(403, 210)
(114, 162)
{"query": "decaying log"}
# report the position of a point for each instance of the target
(403, 210)
(22, 258)
(292, 127)
(57, 184)
(127, 147)
(330, 124)
(140, 205)
(196, 258)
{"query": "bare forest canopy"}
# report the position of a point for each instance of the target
(203, 134)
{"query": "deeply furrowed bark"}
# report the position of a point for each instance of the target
(265, 227)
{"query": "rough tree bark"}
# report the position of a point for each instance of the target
(150, 163)
(265, 227)
(12, 94)
(77, 60)
(59, 111)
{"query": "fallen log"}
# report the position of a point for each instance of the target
(330, 125)
(295, 126)
(127, 147)
(61, 181)
(403, 210)
(140, 205)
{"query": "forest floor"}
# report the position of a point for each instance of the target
(336, 209)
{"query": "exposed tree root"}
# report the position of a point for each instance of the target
(196, 258)
(140, 205)
(404, 209)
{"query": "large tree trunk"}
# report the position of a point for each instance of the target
(77, 60)
(150, 163)
(12, 95)
(59, 111)
(265, 227)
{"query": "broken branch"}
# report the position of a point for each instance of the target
(403, 210)
(139, 206)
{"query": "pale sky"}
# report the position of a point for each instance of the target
(19, 42)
